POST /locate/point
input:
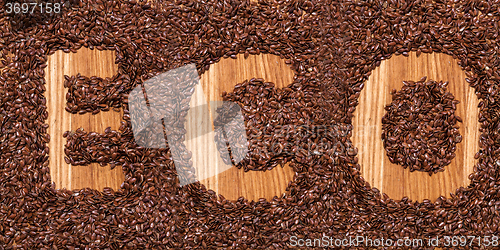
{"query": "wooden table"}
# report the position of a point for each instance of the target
(233, 183)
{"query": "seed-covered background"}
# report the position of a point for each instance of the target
(322, 64)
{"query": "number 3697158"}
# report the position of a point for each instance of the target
(25, 8)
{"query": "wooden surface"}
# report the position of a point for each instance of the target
(233, 183)
(376, 168)
(222, 76)
(87, 63)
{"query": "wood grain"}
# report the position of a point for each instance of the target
(367, 128)
(222, 76)
(88, 63)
